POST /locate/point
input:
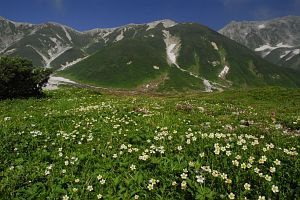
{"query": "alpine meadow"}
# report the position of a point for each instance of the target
(79, 144)
(164, 108)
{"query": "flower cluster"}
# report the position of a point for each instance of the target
(152, 182)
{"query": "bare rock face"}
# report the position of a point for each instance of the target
(276, 40)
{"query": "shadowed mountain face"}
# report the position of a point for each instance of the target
(161, 55)
(276, 40)
(48, 45)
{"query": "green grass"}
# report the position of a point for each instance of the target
(69, 56)
(58, 146)
(26, 52)
(180, 81)
(126, 64)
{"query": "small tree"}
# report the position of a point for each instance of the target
(19, 78)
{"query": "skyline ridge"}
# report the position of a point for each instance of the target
(93, 13)
(132, 23)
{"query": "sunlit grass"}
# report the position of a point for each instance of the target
(78, 144)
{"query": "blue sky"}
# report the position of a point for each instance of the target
(88, 14)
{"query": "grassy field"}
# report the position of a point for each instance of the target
(80, 144)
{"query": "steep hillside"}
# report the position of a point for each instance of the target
(161, 55)
(58, 46)
(276, 40)
(48, 45)
(177, 57)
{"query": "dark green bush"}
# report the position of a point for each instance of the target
(19, 78)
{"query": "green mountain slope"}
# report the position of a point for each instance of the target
(125, 64)
(201, 55)
(161, 55)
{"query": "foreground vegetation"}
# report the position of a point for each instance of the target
(79, 144)
(19, 78)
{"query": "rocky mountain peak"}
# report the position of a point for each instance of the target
(277, 40)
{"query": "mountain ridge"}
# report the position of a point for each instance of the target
(265, 20)
(191, 56)
(160, 55)
(277, 40)
(88, 40)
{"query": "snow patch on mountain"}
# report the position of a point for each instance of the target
(99, 31)
(268, 48)
(264, 47)
(171, 53)
(264, 37)
(166, 23)
(60, 79)
(224, 72)
(59, 52)
(53, 53)
(7, 40)
(169, 23)
(55, 81)
(155, 67)
(54, 40)
(285, 54)
(208, 86)
(173, 46)
(34, 30)
(281, 45)
(104, 37)
(45, 59)
(67, 33)
(261, 26)
(99, 34)
(294, 53)
(10, 51)
(69, 64)
(152, 25)
(120, 36)
(214, 46)
(58, 36)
